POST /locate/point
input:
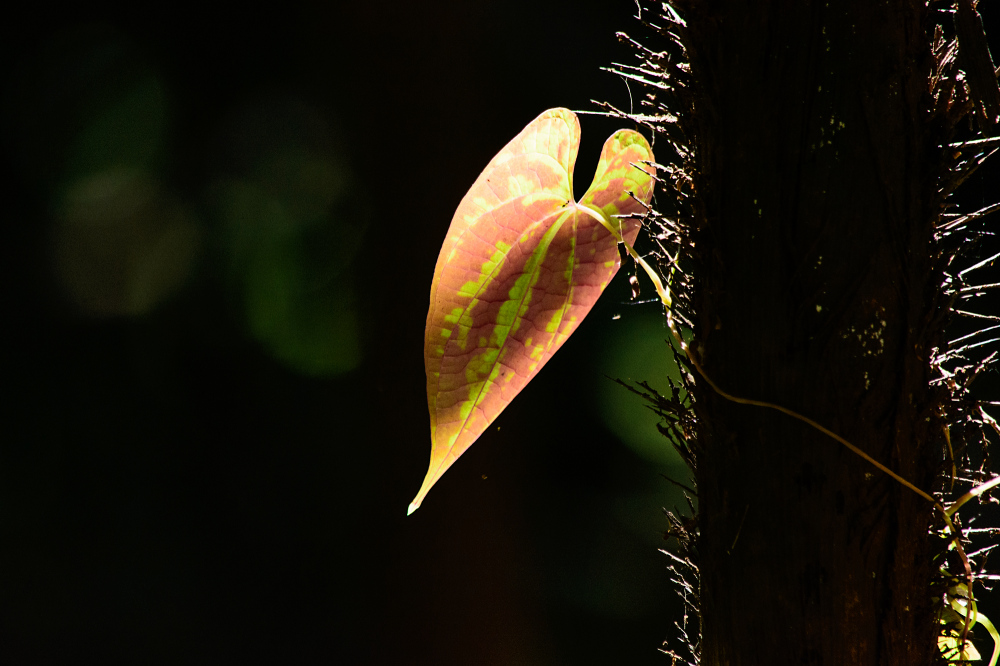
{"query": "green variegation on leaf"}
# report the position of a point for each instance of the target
(521, 266)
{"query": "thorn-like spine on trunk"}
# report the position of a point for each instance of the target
(967, 428)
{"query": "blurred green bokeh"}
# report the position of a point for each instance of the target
(289, 231)
(126, 128)
(636, 350)
(91, 124)
(122, 244)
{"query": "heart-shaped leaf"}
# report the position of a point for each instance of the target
(521, 266)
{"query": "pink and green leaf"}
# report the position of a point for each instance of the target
(521, 266)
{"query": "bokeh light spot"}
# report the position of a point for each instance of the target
(282, 199)
(89, 123)
(127, 131)
(635, 351)
(121, 244)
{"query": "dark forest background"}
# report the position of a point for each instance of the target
(219, 230)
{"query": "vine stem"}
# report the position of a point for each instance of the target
(663, 291)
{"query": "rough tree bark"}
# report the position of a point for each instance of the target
(816, 183)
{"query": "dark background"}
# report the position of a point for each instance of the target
(219, 234)
(219, 231)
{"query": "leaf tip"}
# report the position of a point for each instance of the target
(413, 507)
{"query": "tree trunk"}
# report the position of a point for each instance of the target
(816, 182)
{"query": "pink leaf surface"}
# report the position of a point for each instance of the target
(521, 266)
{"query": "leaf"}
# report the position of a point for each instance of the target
(521, 266)
(949, 647)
